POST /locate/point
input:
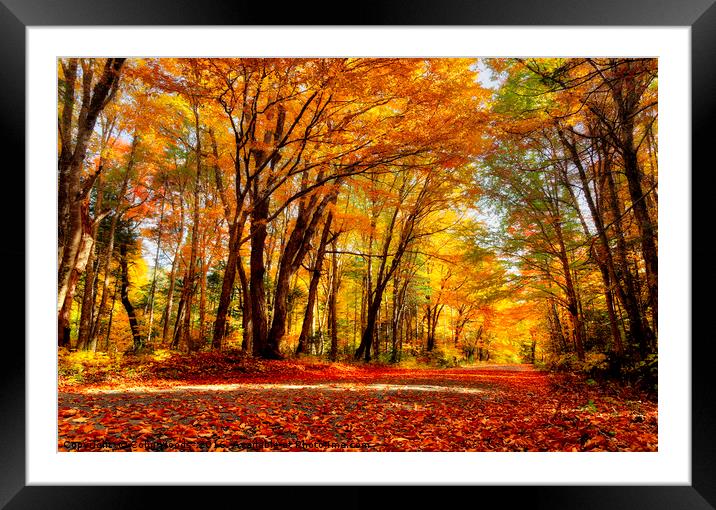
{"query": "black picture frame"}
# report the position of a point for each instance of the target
(700, 15)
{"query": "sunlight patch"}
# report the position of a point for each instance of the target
(287, 387)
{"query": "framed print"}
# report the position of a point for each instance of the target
(674, 41)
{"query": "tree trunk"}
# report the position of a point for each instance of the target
(90, 293)
(190, 280)
(205, 263)
(573, 304)
(638, 330)
(429, 321)
(107, 263)
(310, 212)
(332, 308)
(172, 277)
(111, 315)
(246, 300)
(227, 286)
(259, 329)
(400, 288)
(176, 339)
(384, 276)
(124, 296)
(153, 288)
(433, 325)
(369, 333)
(628, 101)
(603, 256)
(313, 287)
(257, 265)
(166, 316)
(88, 301)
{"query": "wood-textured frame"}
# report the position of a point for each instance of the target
(17, 15)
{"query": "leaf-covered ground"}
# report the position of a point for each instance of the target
(292, 406)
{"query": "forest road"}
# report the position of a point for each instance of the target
(497, 408)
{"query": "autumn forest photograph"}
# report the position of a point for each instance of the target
(357, 254)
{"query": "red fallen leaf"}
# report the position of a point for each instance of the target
(594, 442)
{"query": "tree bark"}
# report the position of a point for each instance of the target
(246, 320)
(137, 343)
(166, 316)
(107, 263)
(332, 303)
(638, 330)
(153, 287)
(190, 280)
(227, 286)
(233, 264)
(176, 339)
(627, 98)
(572, 302)
(310, 212)
(433, 324)
(306, 329)
(259, 326)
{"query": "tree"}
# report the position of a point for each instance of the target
(394, 204)
(576, 120)
(75, 126)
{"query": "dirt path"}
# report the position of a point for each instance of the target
(500, 408)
